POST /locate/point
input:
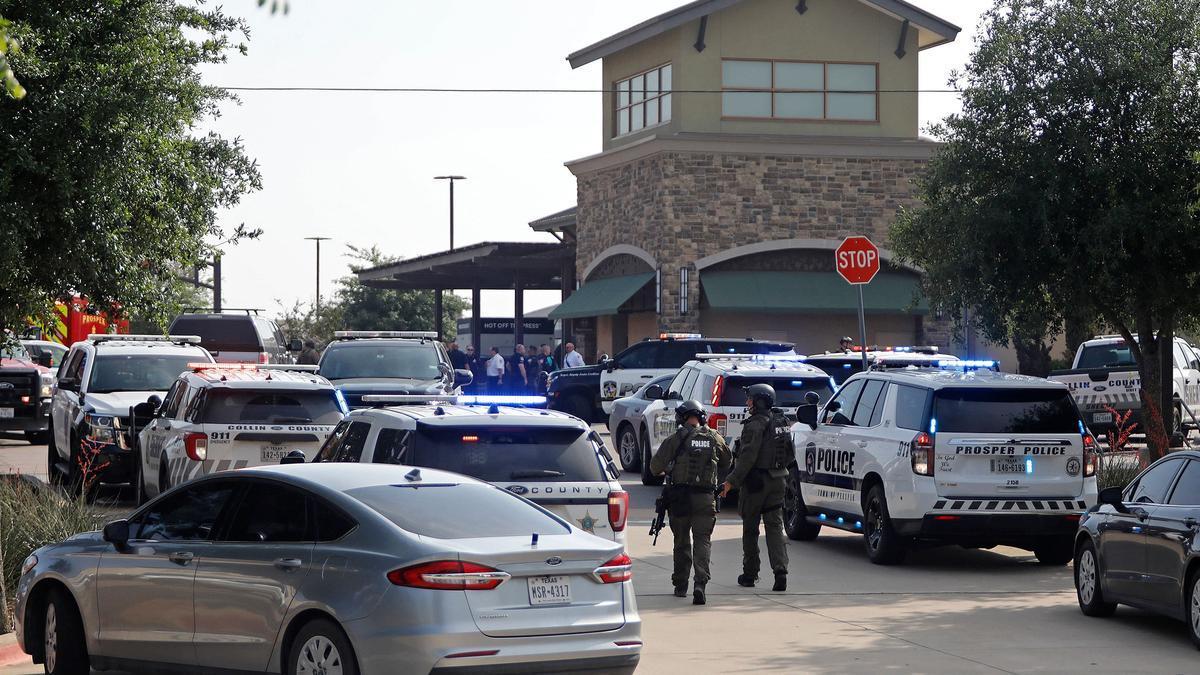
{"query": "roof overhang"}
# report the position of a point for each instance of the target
(488, 265)
(931, 30)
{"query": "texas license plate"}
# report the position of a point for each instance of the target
(273, 453)
(549, 591)
(1008, 465)
(6, 413)
(1102, 418)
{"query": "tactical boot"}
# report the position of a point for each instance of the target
(780, 581)
(681, 590)
(698, 595)
(746, 580)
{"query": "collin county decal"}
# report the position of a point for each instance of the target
(1073, 466)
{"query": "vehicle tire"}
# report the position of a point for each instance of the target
(795, 514)
(139, 480)
(164, 476)
(647, 477)
(74, 476)
(1192, 607)
(53, 475)
(1087, 584)
(629, 448)
(62, 637)
(1054, 554)
(321, 647)
(884, 546)
(579, 406)
(36, 437)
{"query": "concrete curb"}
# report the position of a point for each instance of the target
(10, 651)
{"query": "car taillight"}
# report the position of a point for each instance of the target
(922, 454)
(264, 357)
(1089, 455)
(449, 575)
(719, 422)
(717, 391)
(615, 571)
(618, 510)
(196, 444)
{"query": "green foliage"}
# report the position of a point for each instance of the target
(1067, 187)
(358, 307)
(106, 186)
(1117, 472)
(31, 517)
(8, 46)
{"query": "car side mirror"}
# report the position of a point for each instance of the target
(117, 534)
(68, 384)
(45, 359)
(463, 377)
(807, 414)
(1114, 497)
(295, 346)
(293, 457)
(655, 392)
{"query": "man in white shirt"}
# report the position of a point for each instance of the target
(495, 371)
(571, 358)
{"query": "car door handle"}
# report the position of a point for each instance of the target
(646, 377)
(182, 557)
(288, 563)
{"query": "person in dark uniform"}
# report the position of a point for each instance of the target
(514, 371)
(692, 458)
(760, 475)
(457, 358)
(533, 372)
(478, 367)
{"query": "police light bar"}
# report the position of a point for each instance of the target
(969, 365)
(409, 398)
(197, 367)
(289, 367)
(502, 400)
(458, 400)
(97, 338)
(776, 358)
(679, 336)
(363, 334)
(929, 349)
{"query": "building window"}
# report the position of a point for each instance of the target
(800, 90)
(643, 100)
(683, 290)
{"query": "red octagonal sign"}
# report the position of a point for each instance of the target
(857, 260)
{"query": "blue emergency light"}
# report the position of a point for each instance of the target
(502, 400)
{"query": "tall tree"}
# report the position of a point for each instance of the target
(107, 189)
(1067, 187)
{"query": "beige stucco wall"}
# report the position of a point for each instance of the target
(831, 30)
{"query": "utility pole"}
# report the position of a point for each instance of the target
(317, 307)
(437, 293)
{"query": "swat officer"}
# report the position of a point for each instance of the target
(691, 458)
(759, 474)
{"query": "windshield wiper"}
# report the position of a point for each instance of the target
(291, 420)
(536, 473)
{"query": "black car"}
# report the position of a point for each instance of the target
(576, 391)
(1139, 546)
(361, 363)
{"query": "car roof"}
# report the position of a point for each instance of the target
(759, 367)
(465, 415)
(375, 341)
(344, 476)
(147, 347)
(882, 355)
(940, 378)
(256, 379)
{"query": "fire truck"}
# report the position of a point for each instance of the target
(71, 322)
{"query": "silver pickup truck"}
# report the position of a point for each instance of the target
(1104, 375)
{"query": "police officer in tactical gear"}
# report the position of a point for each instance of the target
(764, 452)
(692, 458)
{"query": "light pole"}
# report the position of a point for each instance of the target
(451, 179)
(317, 307)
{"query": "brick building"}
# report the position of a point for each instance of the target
(742, 141)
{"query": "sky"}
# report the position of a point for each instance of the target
(359, 167)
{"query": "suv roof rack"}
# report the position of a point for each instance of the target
(210, 310)
(373, 334)
(97, 338)
(1109, 337)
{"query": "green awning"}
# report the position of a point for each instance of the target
(601, 297)
(815, 292)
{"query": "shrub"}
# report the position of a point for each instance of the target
(1117, 472)
(31, 516)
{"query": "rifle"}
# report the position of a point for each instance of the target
(660, 515)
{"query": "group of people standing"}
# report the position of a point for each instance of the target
(523, 372)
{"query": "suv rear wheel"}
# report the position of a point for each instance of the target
(884, 545)
(647, 477)
(629, 447)
(795, 513)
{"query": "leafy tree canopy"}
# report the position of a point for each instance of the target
(107, 189)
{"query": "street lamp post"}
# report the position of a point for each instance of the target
(318, 240)
(451, 179)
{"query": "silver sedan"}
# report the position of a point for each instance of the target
(627, 428)
(332, 569)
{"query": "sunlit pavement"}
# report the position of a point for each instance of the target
(947, 610)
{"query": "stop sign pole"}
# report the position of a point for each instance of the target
(857, 260)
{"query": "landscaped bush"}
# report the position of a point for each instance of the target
(1117, 472)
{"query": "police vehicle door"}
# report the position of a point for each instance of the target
(161, 431)
(863, 443)
(1188, 378)
(633, 368)
(823, 483)
(65, 405)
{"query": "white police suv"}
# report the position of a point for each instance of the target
(719, 382)
(963, 456)
(842, 364)
(551, 458)
(219, 416)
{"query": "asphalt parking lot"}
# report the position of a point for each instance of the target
(947, 610)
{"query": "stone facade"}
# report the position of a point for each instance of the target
(683, 206)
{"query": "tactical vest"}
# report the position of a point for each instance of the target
(696, 460)
(777, 451)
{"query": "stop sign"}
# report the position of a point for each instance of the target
(857, 260)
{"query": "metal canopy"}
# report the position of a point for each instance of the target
(488, 265)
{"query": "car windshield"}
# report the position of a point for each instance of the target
(789, 391)
(1005, 411)
(417, 361)
(138, 372)
(220, 333)
(56, 351)
(499, 455)
(840, 369)
(14, 351)
(240, 406)
(458, 510)
(1106, 356)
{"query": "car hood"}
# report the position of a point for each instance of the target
(118, 402)
(389, 386)
(22, 363)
